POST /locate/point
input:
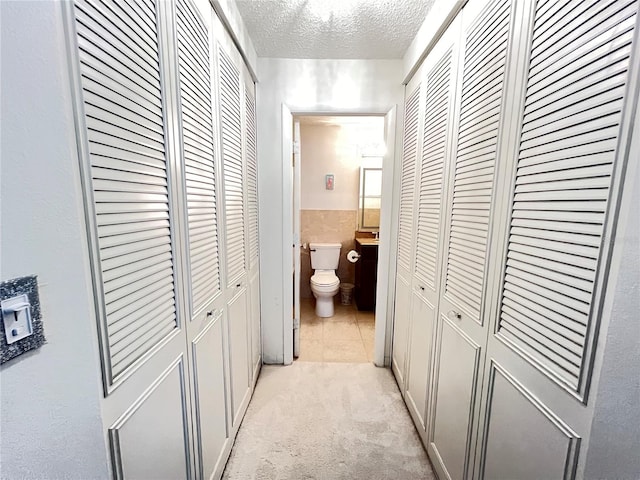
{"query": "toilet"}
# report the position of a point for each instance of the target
(324, 282)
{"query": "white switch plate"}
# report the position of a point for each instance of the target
(16, 315)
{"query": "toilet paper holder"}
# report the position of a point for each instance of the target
(353, 256)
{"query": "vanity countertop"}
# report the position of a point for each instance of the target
(368, 241)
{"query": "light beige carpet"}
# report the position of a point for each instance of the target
(326, 421)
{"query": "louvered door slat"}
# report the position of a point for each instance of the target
(119, 66)
(434, 150)
(577, 75)
(407, 182)
(481, 102)
(252, 173)
(199, 155)
(235, 215)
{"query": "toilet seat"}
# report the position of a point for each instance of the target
(325, 279)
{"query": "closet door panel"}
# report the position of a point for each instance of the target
(562, 184)
(401, 331)
(196, 105)
(477, 141)
(238, 355)
(549, 448)
(462, 329)
(252, 173)
(252, 226)
(208, 370)
(410, 151)
(201, 207)
(406, 239)
(118, 55)
(459, 358)
(232, 123)
(232, 167)
(439, 87)
(422, 325)
(150, 440)
(569, 154)
(435, 153)
(129, 180)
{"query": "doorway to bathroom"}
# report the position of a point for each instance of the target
(337, 174)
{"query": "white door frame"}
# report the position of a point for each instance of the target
(388, 230)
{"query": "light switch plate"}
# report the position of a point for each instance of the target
(16, 315)
(21, 287)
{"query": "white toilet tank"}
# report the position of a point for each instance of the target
(325, 256)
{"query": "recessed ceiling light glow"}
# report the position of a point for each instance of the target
(326, 9)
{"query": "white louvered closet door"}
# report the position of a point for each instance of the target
(129, 180)
(564, 189)
(130, 186)
(406, 239)
(198, 145)
(407, 182)
(232, 168)
(435, 139)
(231, 109)
(462, 330)
(205, 331)
(252, 173)
(252, 225)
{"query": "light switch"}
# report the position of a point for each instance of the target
(16, 315)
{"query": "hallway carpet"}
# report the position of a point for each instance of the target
(325, 421)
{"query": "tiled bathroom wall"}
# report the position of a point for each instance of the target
(326, 226)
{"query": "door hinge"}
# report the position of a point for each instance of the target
(296, 323)
(296, 148)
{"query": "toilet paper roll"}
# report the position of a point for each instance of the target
(353, 256)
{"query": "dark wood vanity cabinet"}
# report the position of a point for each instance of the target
(366, 273)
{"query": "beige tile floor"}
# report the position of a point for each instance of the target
(348, 336)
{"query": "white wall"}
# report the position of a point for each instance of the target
(49, 398)
(328, 149)
(615, 436)
(354, 86)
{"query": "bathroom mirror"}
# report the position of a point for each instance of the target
(370, 198)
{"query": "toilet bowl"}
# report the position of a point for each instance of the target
(325, 286)
(324, 282)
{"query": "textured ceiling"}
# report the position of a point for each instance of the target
(333, 28)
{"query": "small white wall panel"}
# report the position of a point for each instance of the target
(232, 166)
(481, 102)
(120, 74)
(576, 82)
(194, 68)
(407, 182)
(434, 151)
